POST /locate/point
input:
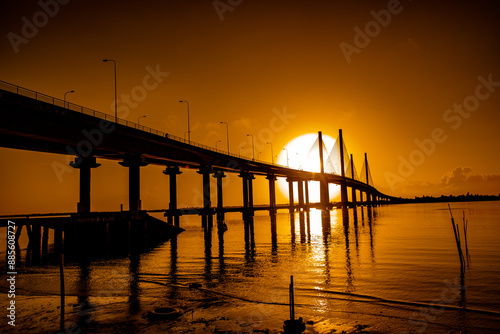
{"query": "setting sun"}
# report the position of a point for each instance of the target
(303, 153)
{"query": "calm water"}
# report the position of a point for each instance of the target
(401, 253)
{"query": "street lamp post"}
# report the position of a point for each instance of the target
(139, 119)
(71, 91)
(285, 149)
(189, 128)
(253, 147)
(116, 100)
(227, 135)
(218, 141)
(272, 152)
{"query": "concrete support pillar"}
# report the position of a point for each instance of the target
(134, 164)
(290, 193)
(219, 175)
(306, 184)
(354, 200)
(247, 193)
(172, 172)
(84, 164)
(244, 176)
(206, 217)
(300, 186)
(250, 192)
(369, 198)
(272, 193)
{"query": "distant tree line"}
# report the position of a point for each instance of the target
(451, 198)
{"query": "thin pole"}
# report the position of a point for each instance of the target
(285, 149)
(61, 276)
(189, 127)
(292, 300)
(457, 240)
(227, 135)
(71, 91)
(116, 100)
(272, 152)
(253, 148)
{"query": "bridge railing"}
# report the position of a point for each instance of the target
(84, 110)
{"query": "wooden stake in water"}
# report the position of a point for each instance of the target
(61, 276)
(467, 256)
(292, 306)
(457, 240)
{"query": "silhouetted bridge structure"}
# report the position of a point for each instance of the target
(37, 122)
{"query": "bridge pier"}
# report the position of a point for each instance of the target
(290, 194)
(247, 194)
(369, 199)
(251, 177)
(272, 193)
(219, 175)
(300, 186)
(306, 184)
(84, 164)
(206, 215)
(354, 199)
(244, 176)
(134, 164)
(172, 172)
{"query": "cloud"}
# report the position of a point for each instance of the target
(459, 181)
(245, 122)
(457, 176)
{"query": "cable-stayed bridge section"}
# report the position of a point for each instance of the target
(37, 122)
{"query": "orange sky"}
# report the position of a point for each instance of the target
(245, 62)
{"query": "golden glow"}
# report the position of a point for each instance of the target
(300, 157)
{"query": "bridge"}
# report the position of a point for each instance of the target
(37, 122)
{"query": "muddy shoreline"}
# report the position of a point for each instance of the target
(202, 311)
